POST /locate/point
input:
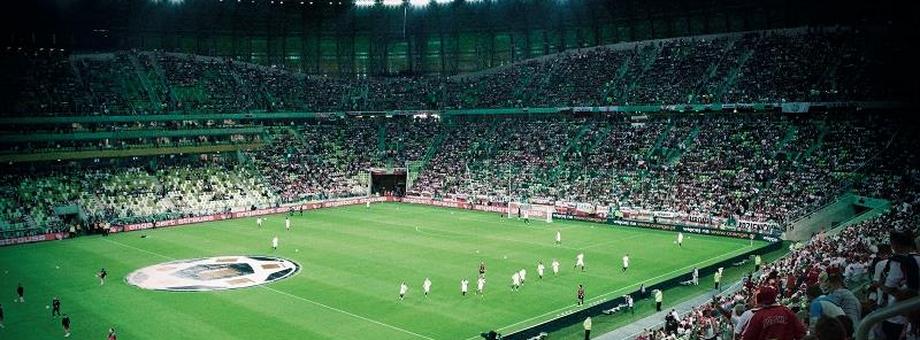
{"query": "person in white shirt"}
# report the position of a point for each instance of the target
(580, 261)
(540, 268)
(696, 276)
(464, 285)
(480, 284)
(625, 262)
(897, 285)
(426, 286)
(523, 273)
(555, 265)
(680, 239)
(403, 289)
(287, 223)
(884, 251)
(367, 204)
(275, 243)
(515, 281)
(630, 303)
(259, 222)
(558, 238)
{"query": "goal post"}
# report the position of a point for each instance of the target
(531, 211)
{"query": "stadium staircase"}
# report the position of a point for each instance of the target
(417, 167)
(382, 145)
(656, 148)
(144, 80)
(85, 95)
(791, 132)
(732, 76)
(714, 71)
(673, 155)
(822, 131)
(574, 144)
(645, 59)
(608, 92)
(160, 77)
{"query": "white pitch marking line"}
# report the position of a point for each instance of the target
(348, 313)
(295, 297)
(733, 253)
(138, 249)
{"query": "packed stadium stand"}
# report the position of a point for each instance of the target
(793, 65)
(745, 131)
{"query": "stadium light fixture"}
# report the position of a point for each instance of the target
(443, 2)
(171, 2)
(364, 3)
(392, 2)
(418, 3)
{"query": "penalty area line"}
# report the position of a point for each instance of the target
(292, 296)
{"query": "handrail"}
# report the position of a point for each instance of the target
(862, 333)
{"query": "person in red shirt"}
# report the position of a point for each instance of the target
(112, 335)
(772, 320)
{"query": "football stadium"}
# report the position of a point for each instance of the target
(459, 169)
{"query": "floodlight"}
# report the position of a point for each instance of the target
(171, 2)
(442, 2)
(392, 2)
(418, 3)
(364, 3)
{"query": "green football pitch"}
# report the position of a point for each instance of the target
(352, 262)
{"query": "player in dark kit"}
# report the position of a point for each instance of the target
(112, 335)
(21, 293)
(65, 322)
(55, 307)
(482, 268)
(1, 316)
(102, 274)
(581, 295)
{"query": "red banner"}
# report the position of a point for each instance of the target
(34, 238)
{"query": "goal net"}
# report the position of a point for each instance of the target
(531, 211)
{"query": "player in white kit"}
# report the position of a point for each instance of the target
(580, 261)
(558, 238)
(515, 281)
(680, 239)
(480, 284)
(523, 273)
(403, 289)
(287, 223)
(464, 285)
(540, 268)
(275, 243)
(426, 286)
(259, 221)
(625, 262)
(555, 265)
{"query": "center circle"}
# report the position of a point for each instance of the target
(213, 273)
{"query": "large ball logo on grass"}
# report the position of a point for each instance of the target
(213, 273)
